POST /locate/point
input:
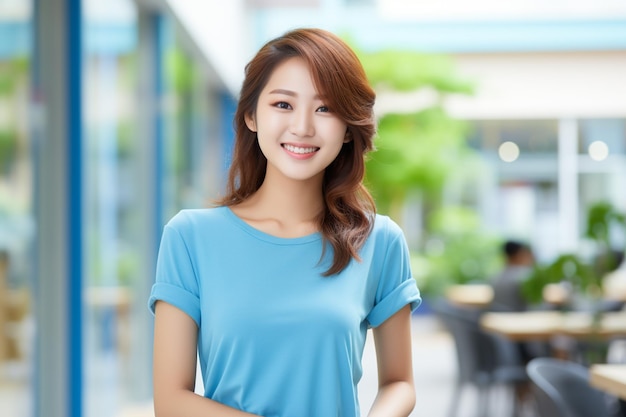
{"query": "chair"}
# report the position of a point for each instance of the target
(484, 361)
(561, 389)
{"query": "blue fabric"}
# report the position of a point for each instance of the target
(277, 338)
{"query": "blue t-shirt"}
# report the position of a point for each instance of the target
(276, 338)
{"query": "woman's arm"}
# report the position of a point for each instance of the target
(174, 368)
(396, 392)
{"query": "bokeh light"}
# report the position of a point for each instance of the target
(598, 150)
(508, 151)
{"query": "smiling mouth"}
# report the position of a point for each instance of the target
(299, 149)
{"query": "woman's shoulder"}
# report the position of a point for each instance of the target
(385, 227)
(385, 233)
(193, 219)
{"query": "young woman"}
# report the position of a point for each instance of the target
(276, 287)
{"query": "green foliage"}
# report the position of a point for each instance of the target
(457, 252)
(8, 149)
(11, 72)
(420, 152)
(408, 71)
(127, 266)
(414, 152)
(179, 70)
(125, 139)
(585, 275)
(569, 268)
(600, 218)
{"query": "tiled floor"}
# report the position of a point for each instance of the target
(434, 365)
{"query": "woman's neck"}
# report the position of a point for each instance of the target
(283, 208)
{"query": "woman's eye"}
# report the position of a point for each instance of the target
(323, 109)
(283, 105)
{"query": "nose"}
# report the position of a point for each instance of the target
(302, 123)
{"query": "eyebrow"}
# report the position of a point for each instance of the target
(291, 93)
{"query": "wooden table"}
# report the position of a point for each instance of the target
(610, 378)
(481, 295)
(470, 295)
(544, 325)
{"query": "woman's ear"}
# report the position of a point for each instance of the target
(347, 137)
(250, 122)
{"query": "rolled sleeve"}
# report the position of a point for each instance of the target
(396, 286)
(178, 297)
(406, 293)
(176, 280)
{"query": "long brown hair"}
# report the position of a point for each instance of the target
(338, 75)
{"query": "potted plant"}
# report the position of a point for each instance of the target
(583, 275)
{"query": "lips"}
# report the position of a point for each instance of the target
(300, 150)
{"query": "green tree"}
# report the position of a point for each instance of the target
(420, 151)
(416, 151)
(13, 75)
(458, 251)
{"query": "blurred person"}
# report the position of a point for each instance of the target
(507, 284)
(519, 262)
(276, 286)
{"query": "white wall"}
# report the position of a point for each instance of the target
(543, 85)
(219, 29)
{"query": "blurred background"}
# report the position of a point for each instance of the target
(497, 120)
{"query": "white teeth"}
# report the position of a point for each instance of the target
(296, 149)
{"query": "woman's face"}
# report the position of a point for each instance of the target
(298, 134)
